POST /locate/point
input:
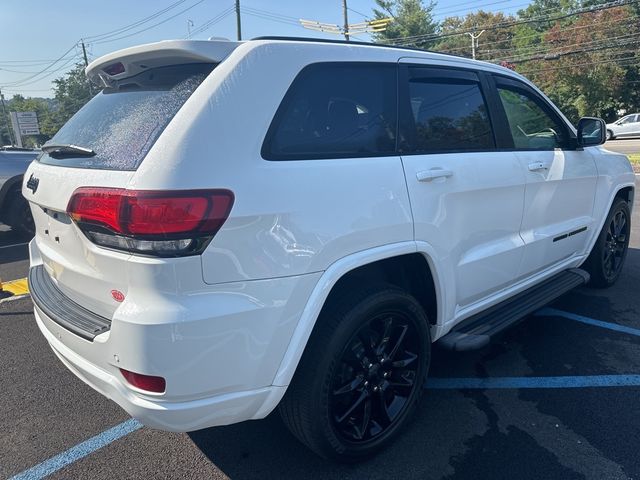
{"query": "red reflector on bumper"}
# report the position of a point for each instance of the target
(144, 382)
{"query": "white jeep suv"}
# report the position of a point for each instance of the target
(231, 227)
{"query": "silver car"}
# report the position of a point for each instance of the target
(14, 209)
(627, 126)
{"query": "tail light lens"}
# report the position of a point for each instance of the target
(144, 382)
(159, 223)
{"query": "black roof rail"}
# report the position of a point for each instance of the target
(352, 42)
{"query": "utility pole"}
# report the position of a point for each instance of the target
(474, 42)
(238, 26)
(84, 53)
(346, 20)
(6, 119)
(189, 25)
(86, 63)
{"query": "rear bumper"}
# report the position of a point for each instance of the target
(166, 415)
(61, 309)
(219, 347)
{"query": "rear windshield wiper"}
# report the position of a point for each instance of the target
(60, 150)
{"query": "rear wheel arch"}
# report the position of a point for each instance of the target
(411, 273)
(625, 193)
(380, 261)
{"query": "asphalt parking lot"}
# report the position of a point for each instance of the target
(624, 145)
(554, 398)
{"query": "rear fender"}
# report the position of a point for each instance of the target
(323, 288)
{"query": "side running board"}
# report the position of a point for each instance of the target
(476, 331)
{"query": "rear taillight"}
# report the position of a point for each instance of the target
(160, 223)
(148, 383)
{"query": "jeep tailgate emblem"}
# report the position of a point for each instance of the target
(32, 183)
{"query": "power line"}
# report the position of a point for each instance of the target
(366, 17)
(447, 11)
(600, 44)
(265, 16)
(618, 61)
(61, 57)
(212, 21)
(142, 21)
(275, 14)
(149, 27)
(536, 47)
(64, 66)
(544, 18)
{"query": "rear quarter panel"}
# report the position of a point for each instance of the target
(289, 217)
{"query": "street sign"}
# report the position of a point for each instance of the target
(27, 116)
(25, 123)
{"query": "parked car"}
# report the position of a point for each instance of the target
(14, 209)
(627, 126)
(231, 227)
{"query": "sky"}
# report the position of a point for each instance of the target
(35, 33)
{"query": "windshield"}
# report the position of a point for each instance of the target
(122, 122)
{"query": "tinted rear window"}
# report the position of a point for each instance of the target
(336, 110)
(446, 114)
(122, 123)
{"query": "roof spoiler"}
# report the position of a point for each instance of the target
(128, 62)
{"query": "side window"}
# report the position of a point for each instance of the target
(336, 110)
(446, 113)
(532, 126)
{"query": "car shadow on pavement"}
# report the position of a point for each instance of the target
(452, 436)
(469, 434)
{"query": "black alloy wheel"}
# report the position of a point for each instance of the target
(362, 373)
(375, 378)
(615, 245)
(606, 260)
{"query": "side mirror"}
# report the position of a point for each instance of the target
(591, 131)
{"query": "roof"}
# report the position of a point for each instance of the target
(134, 60)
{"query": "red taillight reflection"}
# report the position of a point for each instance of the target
(144, 382)
(96, 205)
(146, 215)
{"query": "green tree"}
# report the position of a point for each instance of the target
(72, 91)
(491, 44)
(590, 66)
(412, 21)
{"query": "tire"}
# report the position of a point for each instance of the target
(610, 135)
(346, 400)
(605, 262)
(19, 214)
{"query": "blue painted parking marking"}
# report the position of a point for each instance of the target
(552, 312)
(534, 382)
(79, 451)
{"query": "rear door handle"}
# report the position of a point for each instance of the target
(428, 175)
(537, 166)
